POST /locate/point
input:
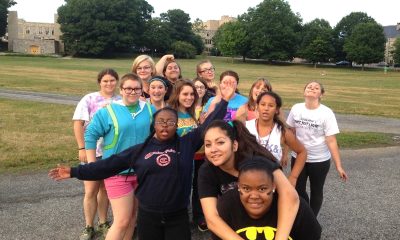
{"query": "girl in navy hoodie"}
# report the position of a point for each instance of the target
(164, 165)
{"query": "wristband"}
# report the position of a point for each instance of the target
(81, 148)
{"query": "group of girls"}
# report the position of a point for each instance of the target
(161, 159)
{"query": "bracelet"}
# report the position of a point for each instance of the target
(81, 148)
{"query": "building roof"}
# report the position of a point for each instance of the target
(391, 31)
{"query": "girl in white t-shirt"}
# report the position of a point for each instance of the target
(273, 134)
(315, 126)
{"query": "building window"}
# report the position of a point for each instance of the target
(27, 31)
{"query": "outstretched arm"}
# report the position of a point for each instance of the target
(60, 173)
(97, 170)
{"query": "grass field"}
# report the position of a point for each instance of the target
(37, 135)
(369, 92)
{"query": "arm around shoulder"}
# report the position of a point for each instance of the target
(214, 222)
(288, 205)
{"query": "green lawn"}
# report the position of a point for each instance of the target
(369, 92)
(38, 135)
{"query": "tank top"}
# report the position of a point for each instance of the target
(272, 142)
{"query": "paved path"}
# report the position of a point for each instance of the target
(366, 207)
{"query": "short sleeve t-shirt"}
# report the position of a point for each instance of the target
(185, 124)
(312, 126)
(232, 211)
(88, 106)
(233, 105)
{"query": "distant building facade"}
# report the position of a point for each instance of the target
(33, 37)
(391, 33)
(209, 29)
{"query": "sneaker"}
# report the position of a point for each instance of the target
(102, 228)
(202, 226)
(87, 234)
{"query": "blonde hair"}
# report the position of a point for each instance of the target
(141, 58)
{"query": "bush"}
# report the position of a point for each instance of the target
(183, 49)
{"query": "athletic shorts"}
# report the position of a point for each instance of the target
(119, 185)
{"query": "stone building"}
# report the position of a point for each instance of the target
(209, 29)
(33, 37)
(391, 33)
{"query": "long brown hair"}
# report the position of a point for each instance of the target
(251, 104)
(174, 98)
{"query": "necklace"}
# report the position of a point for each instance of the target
(265, 144)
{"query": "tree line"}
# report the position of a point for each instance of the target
(270, 31)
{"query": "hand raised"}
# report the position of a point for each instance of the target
(227, 89)
(60, 173)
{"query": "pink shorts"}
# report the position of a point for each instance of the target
(118, 186)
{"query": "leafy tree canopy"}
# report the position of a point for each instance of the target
(4, 5)
(366, 43)
(232, 39)
(345, 28)
(179, 27)
(273, 29)
(101, 27)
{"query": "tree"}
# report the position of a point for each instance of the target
(231, 39)
(273, 30)
(316, 44)
(396, 51)
(366, 43)
(198, 26)
(319, 50)
(183, 49)
(4, 5)
(345, 28)
(178, 24)
(156, 36)
(102, 27)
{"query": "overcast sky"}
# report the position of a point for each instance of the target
(385, 12)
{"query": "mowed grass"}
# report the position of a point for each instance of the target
(352, 91)
(39, 135)
(35, 135)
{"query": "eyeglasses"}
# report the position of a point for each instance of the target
(208, 70)
(252, 232)
(129, 90)
(163, 123)
(145, 68)
(200, 87)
